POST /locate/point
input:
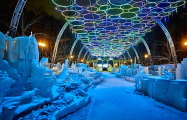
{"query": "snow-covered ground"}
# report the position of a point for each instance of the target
(114, 99)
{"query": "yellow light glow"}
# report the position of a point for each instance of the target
(82, 60)
(71, 56)
(185, 43)
(41, 44)
(146, 56)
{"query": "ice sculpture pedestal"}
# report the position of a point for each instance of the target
(170, 92)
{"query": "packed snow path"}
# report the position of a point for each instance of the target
(114, 99)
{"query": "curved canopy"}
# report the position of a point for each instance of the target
(109, 27)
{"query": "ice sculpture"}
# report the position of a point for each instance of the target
(168, 73)
(5, 84)
(2, 45)
(40, 80)
(44, 61)
(63, 77)
(141, 74)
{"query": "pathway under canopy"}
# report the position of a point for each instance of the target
(115, 99)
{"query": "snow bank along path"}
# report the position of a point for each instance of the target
(114, 99)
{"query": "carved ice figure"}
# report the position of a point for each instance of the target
(72, 65)
(28, 97)
(168, 73)
(25, 49)
(113, 70)
(65, 73)
(40, 80)
(62, 66)
(44, 61)
(8, 108)
(139, 77)
(59, 66)
(2, 45)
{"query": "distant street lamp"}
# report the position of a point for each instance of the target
(146, 56)
(71, 56)
(41, 44)
(185, 43)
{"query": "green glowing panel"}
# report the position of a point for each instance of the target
(128, 15)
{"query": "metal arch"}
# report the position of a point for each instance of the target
(16, 16)
(148, 50)
(73, 46)
(172, 47)
(88, 57)
(85, 54)
(129, 54)
(91, 57)
(137, 56)
(124, 55)
(58, 40)
(80, 53)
